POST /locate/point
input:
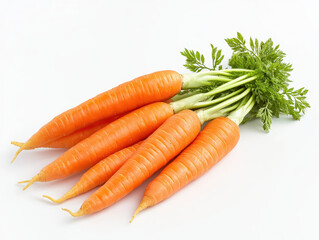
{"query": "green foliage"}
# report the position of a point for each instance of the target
(271, 89)
(217, 57)
(195, 61)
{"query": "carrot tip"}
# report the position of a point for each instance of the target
(25, 181)
(16, 155)
(77, 214)
(18, 144)
(146, 202)
(30, 182)
(52, 199)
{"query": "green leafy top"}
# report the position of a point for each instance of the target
(270, 88)
(195, 61)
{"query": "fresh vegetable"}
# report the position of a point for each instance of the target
(123, 132)
(128, 96)
(99, 173)
(158, 86)
(269, 95)
(256, 86)
(159, 148)
(74, 138)
(217, 139)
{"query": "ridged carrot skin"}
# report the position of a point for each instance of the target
(74, 138)
(123, 132)
(99, 173)
(158, 149)
(154, 87)
(217, 139)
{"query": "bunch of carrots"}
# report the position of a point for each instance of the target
(124, 135)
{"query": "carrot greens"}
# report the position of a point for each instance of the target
(260, 68)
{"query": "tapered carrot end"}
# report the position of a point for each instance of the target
(53, 200)
(77, 214)
(146, 202)
(36, 178)
(24, 181)
(18, 144)
(17, 153)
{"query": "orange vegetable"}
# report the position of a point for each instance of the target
(158, 86)
(74, 138)
(121, 133)
(217, 139)
(159, 148)
(99, 173)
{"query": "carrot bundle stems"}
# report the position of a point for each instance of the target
(196, 100)
(210, 113)
(197, 80)
(242, 110)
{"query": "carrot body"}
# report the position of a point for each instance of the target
(158, 86)
(217, 139)
(99, 173)
(74, 138)
(159, 148)
(121, 133)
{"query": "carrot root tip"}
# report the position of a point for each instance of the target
(18, 144)
(30, 182)
(76, 214)
(52, 199)
(146, 202)
(17, 153)
(25, 181)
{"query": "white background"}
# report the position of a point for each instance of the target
(56, 54)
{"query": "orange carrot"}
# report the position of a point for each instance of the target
(217, 139)
(159, 148)
(74, 138)
(158, 86)
(121, 133)
(99, 173)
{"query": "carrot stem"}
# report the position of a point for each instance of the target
(218, 100)
(209, 113)
(239, 114)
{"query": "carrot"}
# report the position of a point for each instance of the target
(98, 174)
(74, 138)
(217, 139)
(121, 133)
(164, 144)
(159, 148)
(158, 86)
